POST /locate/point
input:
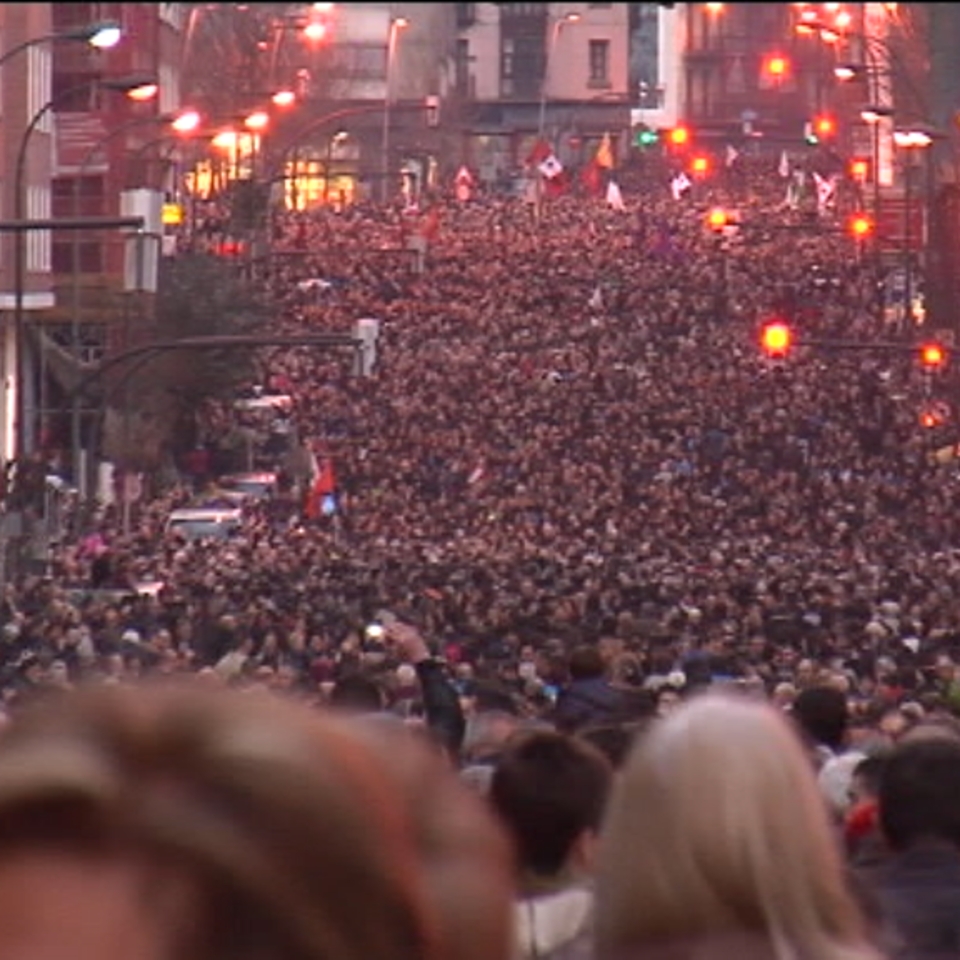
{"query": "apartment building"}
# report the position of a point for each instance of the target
(71, 132)
(570, 72)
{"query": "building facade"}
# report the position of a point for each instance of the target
(371, 85)
(567, 72)
(75, 134)
(25, 86)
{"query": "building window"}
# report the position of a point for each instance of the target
(462, 67)
(645, 53)
(466, 14)
(358, 61)
(521, 65)
(599, 63)
(76, 92)
(520, 11)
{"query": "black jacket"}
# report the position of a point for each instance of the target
(918, 893)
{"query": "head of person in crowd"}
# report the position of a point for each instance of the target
(358, 693)
(822, 716)
(717, 841)
(917, 886)
(199, 823)
(550, 791)
(918, 792)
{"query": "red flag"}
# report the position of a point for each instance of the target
(590, 177)
(556, 186)
(430, 225)
(324, 485)
(538, 153)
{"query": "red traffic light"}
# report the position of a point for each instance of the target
(717, 218)
(859, 168)
(679, 136)
(777, 66)
(861, 226)
(933, 356)
(824, 127)
(700, 166)
(776, 339)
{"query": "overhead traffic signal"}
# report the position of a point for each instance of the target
(933, 356)
(776, 338)
(646, 137)
(859, 169)
(717, 219)
(679, 136)
(824, 127)
(700, 166)
(861, 226)
(776, 66)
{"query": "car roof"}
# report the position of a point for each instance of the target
(206, 513)
(261, 476)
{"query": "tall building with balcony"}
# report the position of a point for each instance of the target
(24, 89)
(106, 144)
(570, 72)
(747, 73)
(61, 117)
(372, 84)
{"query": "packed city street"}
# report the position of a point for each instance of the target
(490, 487)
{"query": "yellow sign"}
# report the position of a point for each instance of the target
(172, 215)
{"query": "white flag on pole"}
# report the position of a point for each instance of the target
(732, 154)
(784, 168)
(551, 167)
(826, 190)
(615, 197)
(679, 185)
(463, 182)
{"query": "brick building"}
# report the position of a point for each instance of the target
(76, 162)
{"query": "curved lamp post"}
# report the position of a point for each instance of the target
(19, 267)
(396, 25)
(102, 35)
(558, 25)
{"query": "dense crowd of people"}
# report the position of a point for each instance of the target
(571, 494)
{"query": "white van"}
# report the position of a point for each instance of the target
(205, 523)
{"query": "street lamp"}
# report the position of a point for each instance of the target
(396, 25)
(127, 86)
(102, 35)
(283, 98)
(554, 36)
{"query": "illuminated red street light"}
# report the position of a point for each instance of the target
(933, 356)
(859, 168)
(825, 127)
(777, 66)
(700, 166)
(861, 226)
(679, 136)
(776, 339)
(717, 218)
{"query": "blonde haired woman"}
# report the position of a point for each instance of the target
(205, 824)
(717, 844)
